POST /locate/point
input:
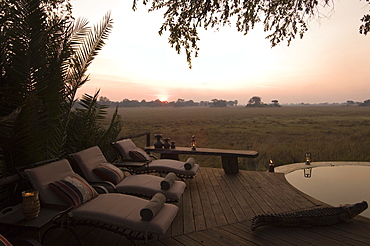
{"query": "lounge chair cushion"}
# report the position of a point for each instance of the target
(87, 160)
(109, 172)
(138, 154)
(124, 210)
(74, 190)
(124, 146)
(167, 165)
(112, 209)
(126, 149)
(149, 185)
(42, 176)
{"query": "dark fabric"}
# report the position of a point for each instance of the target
(189, 163)
(153, 207)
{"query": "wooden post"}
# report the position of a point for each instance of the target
(230, 164)
(148, 139)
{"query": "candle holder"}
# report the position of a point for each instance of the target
(271, 166)
(193, 143)
(307, 172)
(307, 158)
(30, 204)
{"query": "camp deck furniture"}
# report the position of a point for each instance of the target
(229, 157)
(12, 217)
(141, 162)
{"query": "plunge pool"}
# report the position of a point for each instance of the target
(333, 183)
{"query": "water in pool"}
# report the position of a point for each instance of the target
(335, 185)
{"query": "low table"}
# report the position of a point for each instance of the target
(12, 217)
(229, 157)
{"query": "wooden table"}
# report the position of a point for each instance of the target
(229, 157)
(12, 217)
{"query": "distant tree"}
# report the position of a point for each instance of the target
(365, 103)
(218, 103)
(180, 102)
(232, 103)
(350, 102)
(254, 102)
(283, 20)
(204, 103)
(275, 103)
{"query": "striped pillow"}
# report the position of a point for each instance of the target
(74, 190)
(4, 241)
(139, 155)
(109, 172)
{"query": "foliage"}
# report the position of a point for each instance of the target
(365, 27)
(44, 57)
(254, 101)
(283, 20)
(157, 103)
(87, 129)
(365, 103)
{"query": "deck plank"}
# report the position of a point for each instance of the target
(185, 240)
(178, 223)
(277, 195)
(209, 217)
(229, 194)
(216, 207)
(300, 200)
(204, 239)
(266, 192)
(199, 220)
(255, 191)
(188, 212)
(240, 195)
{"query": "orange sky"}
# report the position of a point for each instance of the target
(330, 64)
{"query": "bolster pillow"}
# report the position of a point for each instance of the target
(152, 207)
(168, 181)
(189, 163)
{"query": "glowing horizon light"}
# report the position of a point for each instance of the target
(163, 98)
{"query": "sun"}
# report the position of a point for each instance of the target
(163, 98)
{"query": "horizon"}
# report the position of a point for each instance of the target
(330, 63)
(354, 103)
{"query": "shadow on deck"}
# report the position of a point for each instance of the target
(216, 209)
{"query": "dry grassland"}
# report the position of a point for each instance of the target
(330, 133)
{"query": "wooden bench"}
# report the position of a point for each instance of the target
(229, 157)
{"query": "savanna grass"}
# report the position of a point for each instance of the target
(330, 133)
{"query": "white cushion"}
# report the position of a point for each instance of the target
(124, 210)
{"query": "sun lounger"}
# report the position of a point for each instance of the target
(95, 169)
(138, 161)
(116, 212)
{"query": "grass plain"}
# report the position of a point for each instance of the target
(330, 133)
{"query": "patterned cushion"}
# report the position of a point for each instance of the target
(109, 172)
(74, 190)
(139, 155)
(4, 241)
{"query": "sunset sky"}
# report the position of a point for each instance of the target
(330, 64)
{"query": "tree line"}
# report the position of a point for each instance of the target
(158, 103)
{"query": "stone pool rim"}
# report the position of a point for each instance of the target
(288, 168)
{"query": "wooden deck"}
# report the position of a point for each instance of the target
(216, 209)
